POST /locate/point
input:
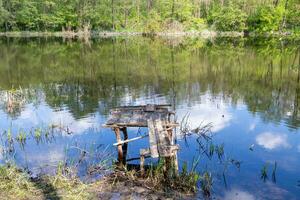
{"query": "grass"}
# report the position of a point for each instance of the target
(158, 179)
(17, 184)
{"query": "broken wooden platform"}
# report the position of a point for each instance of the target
(160, 122)
(137, 116)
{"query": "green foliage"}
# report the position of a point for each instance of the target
(3, 13)
(153, 23)
(149, 16)
(266, 18)
(195, 24)
(183, 10)
(228, 18)
(293, 15)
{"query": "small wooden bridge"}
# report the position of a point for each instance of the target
(160, 122)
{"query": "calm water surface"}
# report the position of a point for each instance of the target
(249, 90)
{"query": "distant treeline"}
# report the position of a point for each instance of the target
(150, 15)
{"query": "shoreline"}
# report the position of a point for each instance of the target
(17, 183)
(205, 34)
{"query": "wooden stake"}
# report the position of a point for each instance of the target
(124, 146)
(143, 153)
(176, 162)
(120, 150)
(142, 163)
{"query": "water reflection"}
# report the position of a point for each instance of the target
(271, 140)
(209, 109)
(79, 76)
(248, 90)
(236, 194)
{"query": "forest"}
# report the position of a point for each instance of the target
(150, 16)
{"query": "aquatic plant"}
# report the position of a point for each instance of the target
(220, 151)
(21, 138)
(202, 131)
(47, 135)
(274, 172)
(211, 150)
(264, 173)
(206, 183)
(38, 135)
(10, 141)
(9, 135)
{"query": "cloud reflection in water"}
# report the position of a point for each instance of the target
(270, 140)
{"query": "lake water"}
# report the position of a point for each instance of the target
(249, 90)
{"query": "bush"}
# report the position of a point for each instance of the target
(293, 17)
(229, 18)
(172, 26)
(195, 24)
(153, 23)
(266, 18)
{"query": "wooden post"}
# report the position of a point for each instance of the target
(172, 161)
(175, 162)
(170, 135)
(142, 163)
(168, 167)
(143, 154)
(120, 150)
(125, 145)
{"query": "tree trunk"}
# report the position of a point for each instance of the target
(283, 25)
(173, 9)
(113, 14)
(138, 12)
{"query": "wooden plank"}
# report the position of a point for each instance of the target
(168, 151)
(164, 141)
(166, 106)
(136, 125)
(162, 134)
(152, 139)
(136, 158)
(159, 139)
(137, 117)
(130, 140)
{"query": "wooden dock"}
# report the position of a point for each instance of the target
(160, 122)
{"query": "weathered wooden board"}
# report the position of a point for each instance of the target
(157, 107)
(164, 142)
(137, 116)
(160, 142)
(153, 139)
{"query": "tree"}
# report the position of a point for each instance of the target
(266, 18)
(228, 18)
(3, 16)
(27, 15)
